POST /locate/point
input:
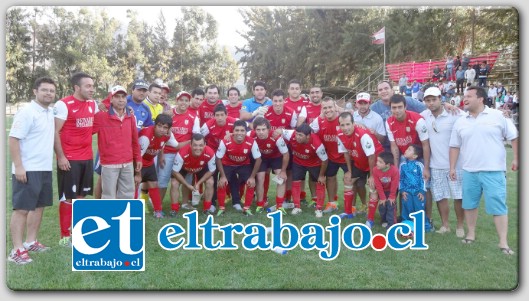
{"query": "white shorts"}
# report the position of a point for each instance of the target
(443, 187)
(164, 174)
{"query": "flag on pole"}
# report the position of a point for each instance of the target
(379, 37)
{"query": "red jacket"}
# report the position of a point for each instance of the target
(117, 140)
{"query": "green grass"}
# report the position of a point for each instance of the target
(446, 265)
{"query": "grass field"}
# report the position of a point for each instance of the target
(446, 265)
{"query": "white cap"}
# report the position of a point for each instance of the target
(432, 91)
(117, 89)
(363, 96)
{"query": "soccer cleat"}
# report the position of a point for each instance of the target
(212, 209)
(370, 224)
(237, 207)
(296, 211)
(318, 213)
(311, 204)
(283, 211)
(19, 257)
(187, 206)
(65, 242)
(259, 209)
(248, 212)
(36, 247)
(331, 206)
(220, 212)
(173, 213)
(158, 214)
(346, 215)
(207, 212)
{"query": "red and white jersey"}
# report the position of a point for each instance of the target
(270, 147)
(193, 112)
(309, 154)
(151, 145)
(313, 112)
(205, 111)
(360, 144)
(286, 120)
(184, 125)
(410, 131)
(76, 133)
(185, 160)
(234, 112)
(214, 133)
(327, 131)
(235, 154)
(297, 106)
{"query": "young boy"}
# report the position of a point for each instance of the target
(412, 185)
(386, 177)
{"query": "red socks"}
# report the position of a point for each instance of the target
(279, 202)
(348, 201)
(248, 197)
(303, 195)
(296, 191)
(221, 197)
(372, 208)
(266, 183)
(320, 195)
(154, 193)
(175, 206)
(65, 218)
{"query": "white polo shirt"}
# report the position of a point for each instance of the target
(439, 132)
(34, 126)
(372, 121)
(481, 139)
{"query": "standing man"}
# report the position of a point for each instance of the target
(470, 76)
(475, 137)
(296, 101)
(197, 98)
(257, 105)
(116, 130)
(403, 82)
(369, 118)
(234, 105)
(142, 113)
(207, 108)
(164, 96)
(314, 106)
(460, 79)
(439, 124)
(31, 149)
(153, 100)
(74, 118)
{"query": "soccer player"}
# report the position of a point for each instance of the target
(279, 116)
(313, 108)
(234, 105)
(195, 159)
(361, 146)
(275, 157)
(257, 105)
(152, 140)
(206, 111)
(116, 130)
(74, 118)
(31, 149)
(214, 131)
(233, 162)
(479, 139)
(327, 129)
(295, 101)
(153, 100)
(197, 98)
(309, 156)
(183, 127)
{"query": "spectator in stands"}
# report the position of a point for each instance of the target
(460, 79)
(449, 68)
(457, 63)
(470, 76)
(491, 96)
(483, 74)
(436, 74)
(403, 82)
(465, 61)
(415, 88)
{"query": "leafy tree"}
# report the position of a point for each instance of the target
(18, 55)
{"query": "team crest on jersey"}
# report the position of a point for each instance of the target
(307, 151)
(268, 145)
(186, 122)
(245, 151)
(423, 129)
(143, 114)
(368, 145)
(283, 120)
(407, 129)
(201, 162)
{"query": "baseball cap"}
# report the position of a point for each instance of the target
(183, 93)
(166, 87)
(117, 89)
(432, 91)
(363, 97)
(140, 84)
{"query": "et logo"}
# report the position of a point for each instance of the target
(108, 235)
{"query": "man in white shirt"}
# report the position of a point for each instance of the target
(478, 138)
(439, 124)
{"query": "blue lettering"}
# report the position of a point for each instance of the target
(170, 231)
